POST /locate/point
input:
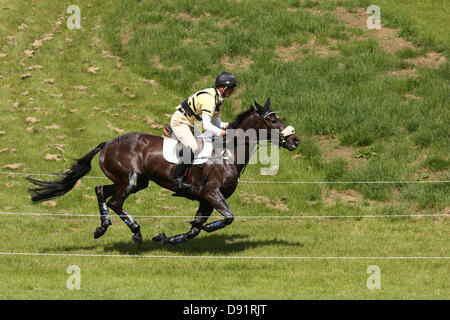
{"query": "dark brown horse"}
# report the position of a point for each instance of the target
(130, 161)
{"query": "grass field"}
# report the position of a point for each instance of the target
(369, 105)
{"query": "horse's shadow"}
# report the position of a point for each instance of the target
(210, 244)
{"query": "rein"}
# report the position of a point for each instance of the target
(284, 135)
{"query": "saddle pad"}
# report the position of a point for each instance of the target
(170, 147)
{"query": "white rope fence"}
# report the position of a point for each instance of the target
(237, 217)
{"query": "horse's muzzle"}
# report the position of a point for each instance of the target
(291, 143)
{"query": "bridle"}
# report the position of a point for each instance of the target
(284, 134)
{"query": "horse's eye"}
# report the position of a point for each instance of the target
(274, 120)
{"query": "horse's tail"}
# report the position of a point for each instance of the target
(52, 189)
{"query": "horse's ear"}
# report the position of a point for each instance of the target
(257, 105)
(267, 104)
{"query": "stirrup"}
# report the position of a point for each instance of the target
(179, 184)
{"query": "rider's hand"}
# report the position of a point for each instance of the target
(229, 132)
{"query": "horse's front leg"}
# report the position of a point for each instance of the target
(217, 200)
(204, 211)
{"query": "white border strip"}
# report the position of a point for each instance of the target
(237, 217)
(212, 257)
(264, 182)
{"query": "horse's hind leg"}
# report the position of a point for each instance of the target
(103, 193)
(203, 213)
(116, 203)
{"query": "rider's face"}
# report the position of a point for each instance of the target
(227, 92)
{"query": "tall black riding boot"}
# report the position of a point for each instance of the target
(178, 182)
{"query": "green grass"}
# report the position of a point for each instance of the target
(161, 278)
(437, 163)
(347, 98)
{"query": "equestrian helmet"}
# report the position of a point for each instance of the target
(226, 79)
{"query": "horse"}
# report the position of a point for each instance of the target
(131, 160)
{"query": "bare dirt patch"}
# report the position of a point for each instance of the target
(411, 96)
(150, 81)
(243, 63)
(320, 49)
(406, 73)
(426, 174)
(186, 16)
(289, 54)
(431, 60)
(224, 23)
(351, 197)
(421, 158)
(156, 61)
(348, 197)
(331, 149)
(296, 50)
(314, 11)
(278, 205)
(187, 41)
(150, 25)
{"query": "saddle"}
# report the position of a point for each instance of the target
(204, 150)
(168, 132)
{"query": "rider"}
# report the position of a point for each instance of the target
(204, 105)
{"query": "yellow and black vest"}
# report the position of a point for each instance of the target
(206, 100)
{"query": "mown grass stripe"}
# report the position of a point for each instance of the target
(212, 257)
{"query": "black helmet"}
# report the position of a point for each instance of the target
(226, 79)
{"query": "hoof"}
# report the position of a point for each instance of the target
(159, 237)
(99, 231)
(137, 240)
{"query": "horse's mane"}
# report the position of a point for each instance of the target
(243, 115)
